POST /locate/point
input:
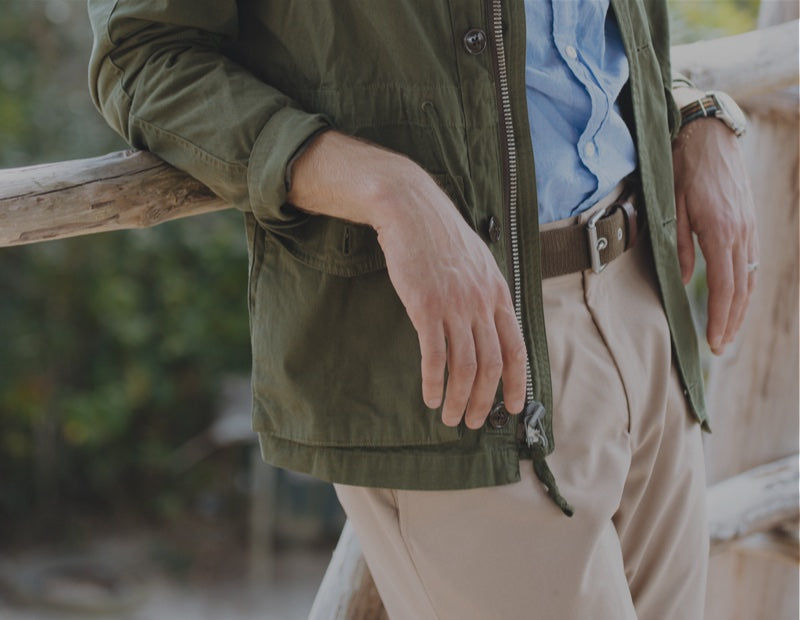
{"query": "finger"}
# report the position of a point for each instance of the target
(739, 300)
(433, 349)
(751, 267)
(515, 359)
(685, 242)
(462, 366)
(487, 376)
(753, 259)
(719, 274)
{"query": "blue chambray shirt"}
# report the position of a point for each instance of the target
(575, 70)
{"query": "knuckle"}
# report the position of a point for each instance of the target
(518, 354)
(728, 228)
(492, 366)
(726, 287)
(724, 290)
(464, 369)
(435, 358)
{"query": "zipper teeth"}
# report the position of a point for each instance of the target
(511, 148)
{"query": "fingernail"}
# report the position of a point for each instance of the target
(450, 421)
(514, 408)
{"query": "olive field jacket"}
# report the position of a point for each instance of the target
(230, 91)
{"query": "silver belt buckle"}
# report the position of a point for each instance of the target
(596, 244)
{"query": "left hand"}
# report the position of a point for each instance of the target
(714, 202)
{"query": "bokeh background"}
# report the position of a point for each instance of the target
(123, 372)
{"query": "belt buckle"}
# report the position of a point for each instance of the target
(596, 244)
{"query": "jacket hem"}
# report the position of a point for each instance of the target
(421, 468)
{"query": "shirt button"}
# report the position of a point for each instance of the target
(589, 149)
(571, 52)
(498, 416)
(475, 40)
(494, 230)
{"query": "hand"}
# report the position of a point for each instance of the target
(714, 202)
(445, 276)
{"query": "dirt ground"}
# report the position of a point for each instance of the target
(147, 575)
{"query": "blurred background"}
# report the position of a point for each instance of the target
(125, 447)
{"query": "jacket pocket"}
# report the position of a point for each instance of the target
(336, 361)
(332, 245)
(342, 248)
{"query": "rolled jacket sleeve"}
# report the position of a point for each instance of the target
(159, 75)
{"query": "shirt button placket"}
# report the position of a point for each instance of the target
(571, 51)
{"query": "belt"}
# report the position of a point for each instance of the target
(593, 244)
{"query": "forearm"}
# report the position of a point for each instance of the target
(351, 179)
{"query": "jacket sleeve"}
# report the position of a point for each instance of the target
(159, 76)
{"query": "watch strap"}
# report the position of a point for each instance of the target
(701, 108)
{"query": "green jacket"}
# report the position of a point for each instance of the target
(230, 92)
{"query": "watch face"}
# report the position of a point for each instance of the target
(730, 112)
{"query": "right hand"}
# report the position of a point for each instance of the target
(445, 276)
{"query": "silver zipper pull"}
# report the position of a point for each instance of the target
(533, 418)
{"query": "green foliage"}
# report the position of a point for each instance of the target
(694, 20)
(112, 345)
(113, 349)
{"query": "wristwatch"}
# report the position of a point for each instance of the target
(718, 105)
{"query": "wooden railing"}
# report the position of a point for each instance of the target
(133, 189)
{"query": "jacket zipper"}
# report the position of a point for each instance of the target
(533, 418)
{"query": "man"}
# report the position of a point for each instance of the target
(401, 283)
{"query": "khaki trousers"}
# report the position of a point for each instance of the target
(628, 457)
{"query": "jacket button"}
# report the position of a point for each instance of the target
(494, 229)
(498, 416)
(475, 40)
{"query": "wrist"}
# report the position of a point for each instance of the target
(344, 177)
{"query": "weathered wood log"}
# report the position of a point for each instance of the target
(347, 591)
(132, 189)
(754, 67)
(128, 189)
(752, 388)
(758, 500)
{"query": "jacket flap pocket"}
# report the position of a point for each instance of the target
(338, 247)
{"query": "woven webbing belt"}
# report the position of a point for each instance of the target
(570, 249)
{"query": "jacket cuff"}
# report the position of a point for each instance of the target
(678, 80)
(298, 153)
(281, 141)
